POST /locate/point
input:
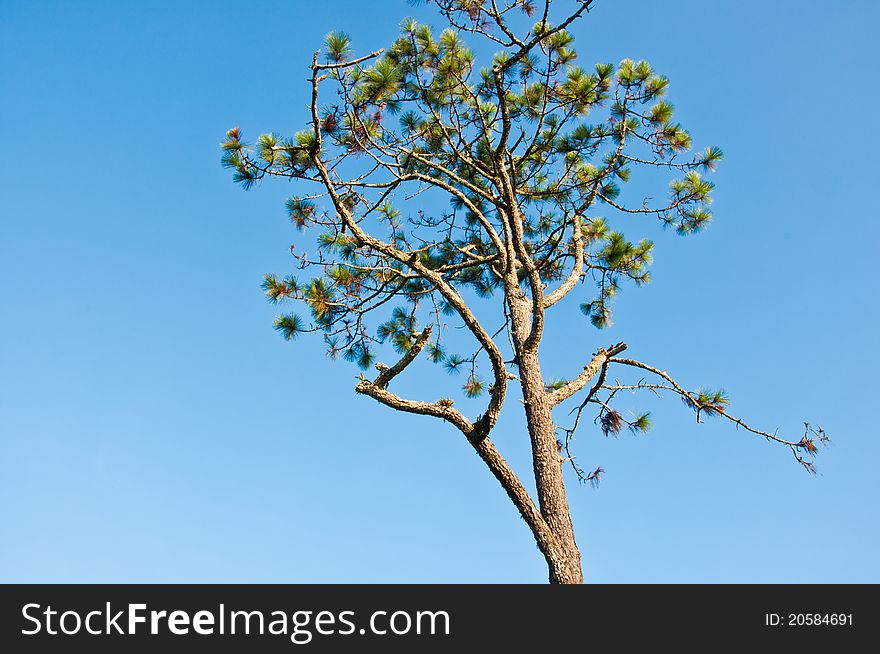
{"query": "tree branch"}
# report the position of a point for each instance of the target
(387, 374)
(520, 497)
(602, 357)
(695, 402)
(576, 272)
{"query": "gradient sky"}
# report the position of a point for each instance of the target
(154, 428)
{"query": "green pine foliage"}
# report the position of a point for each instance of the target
(474, 387)
(641, 424)
(338, 46)
(708, 402)
(289, 326)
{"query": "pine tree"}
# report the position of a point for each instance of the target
(525, 150)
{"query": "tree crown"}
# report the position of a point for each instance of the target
(435, 175)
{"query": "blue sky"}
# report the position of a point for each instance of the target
(154, 428)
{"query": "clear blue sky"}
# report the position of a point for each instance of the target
(153, 427)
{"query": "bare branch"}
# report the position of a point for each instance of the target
(577, 270)
(353, 62)
(590, 370)
(387, 374)
(694, 401)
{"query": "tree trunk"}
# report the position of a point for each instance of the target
(548, 472)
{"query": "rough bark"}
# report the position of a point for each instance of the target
(548, 471)
(556, 555)
(546, 461)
